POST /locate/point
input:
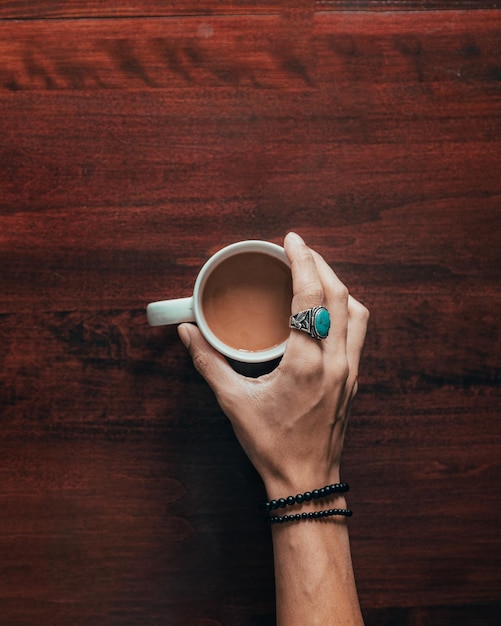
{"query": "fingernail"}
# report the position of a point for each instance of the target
(184, 335)
(295, 237)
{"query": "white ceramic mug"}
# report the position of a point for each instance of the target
(190, 309)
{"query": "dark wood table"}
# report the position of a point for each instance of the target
(136, 139)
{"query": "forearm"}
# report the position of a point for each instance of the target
(314, 574)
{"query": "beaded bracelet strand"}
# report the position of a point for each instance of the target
(276, 519)
(305, 497)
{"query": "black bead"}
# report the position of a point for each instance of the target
(306, 497)
(276, 519)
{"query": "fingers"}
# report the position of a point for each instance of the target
(306, 284)
(349, 318)
(358, 318)
(307, 289)
(315, 283)
(336, 301)
(209, 363)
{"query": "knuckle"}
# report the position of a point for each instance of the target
(341, 292)
(201, 362)
(316, 366)
(312, 368)
(359, 313)
(341, 370)
(363, 312)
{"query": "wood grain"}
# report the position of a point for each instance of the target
(49, 9)
(134, 148)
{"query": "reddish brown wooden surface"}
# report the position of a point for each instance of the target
(17, 9)
(133, 148)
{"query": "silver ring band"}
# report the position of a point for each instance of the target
(315, 321)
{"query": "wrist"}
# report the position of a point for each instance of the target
(283, 487)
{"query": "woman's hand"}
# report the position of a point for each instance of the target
(291, 422)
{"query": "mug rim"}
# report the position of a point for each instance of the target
(248, 245)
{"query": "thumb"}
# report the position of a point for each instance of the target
(209, 363)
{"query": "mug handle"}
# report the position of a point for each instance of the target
(170, 312)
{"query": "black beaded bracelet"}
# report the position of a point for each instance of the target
(316, 494)
(277, 519)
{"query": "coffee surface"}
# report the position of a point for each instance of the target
(247, 301)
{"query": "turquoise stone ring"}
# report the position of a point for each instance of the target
(315, 321)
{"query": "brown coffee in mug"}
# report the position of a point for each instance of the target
(241, 303)
(246, 301)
